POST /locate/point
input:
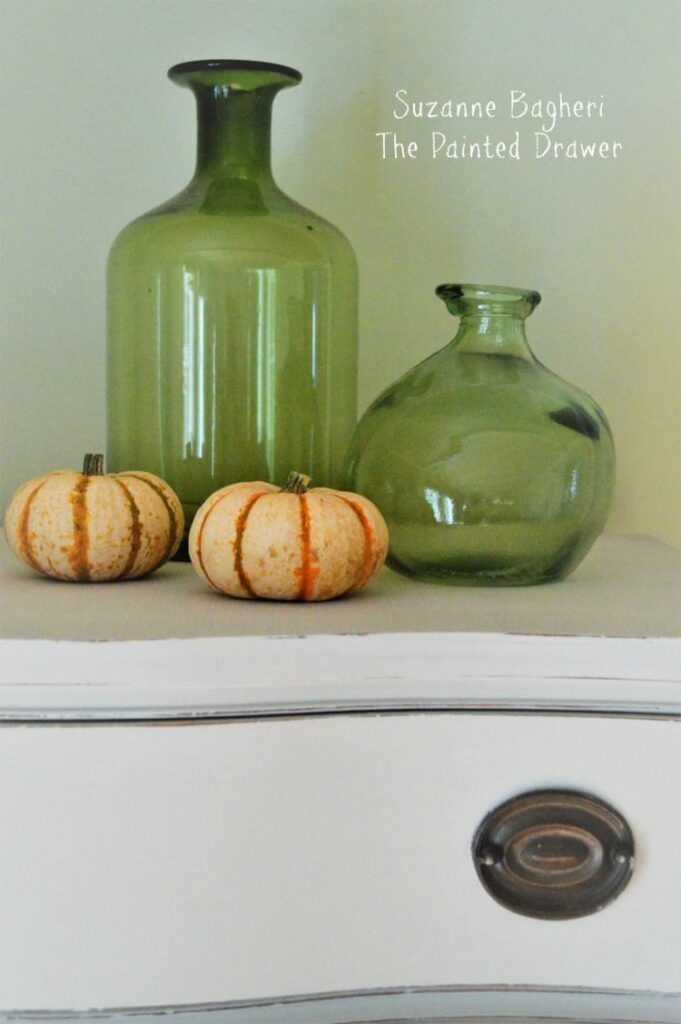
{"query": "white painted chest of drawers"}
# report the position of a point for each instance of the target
(255, 812)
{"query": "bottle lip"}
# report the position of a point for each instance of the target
(488, 298)
(178, 71)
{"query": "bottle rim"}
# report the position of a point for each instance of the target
(187, 67)
(488, 298)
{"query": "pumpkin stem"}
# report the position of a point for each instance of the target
(93, 465)
(297, 483)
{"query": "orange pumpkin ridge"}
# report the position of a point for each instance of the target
(77, 553)
(238, 542)
(172, 518)
(135, 530)
(198, 542)
(24, 538)
(308, 572)
(370, 547)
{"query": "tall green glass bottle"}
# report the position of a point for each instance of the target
(232, 312)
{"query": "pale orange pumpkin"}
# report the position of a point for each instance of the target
(289, 544)
(92, 526)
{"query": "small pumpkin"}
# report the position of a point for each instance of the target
(289, 544)
(93, 526)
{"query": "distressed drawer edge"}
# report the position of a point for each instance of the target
(454, 1003)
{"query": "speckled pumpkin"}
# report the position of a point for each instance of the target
(289, 544)
(92, 526)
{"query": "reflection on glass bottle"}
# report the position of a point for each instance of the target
(487, 467)
(232, 312)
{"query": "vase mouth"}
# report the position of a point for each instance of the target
(481, 299)
(237, 74)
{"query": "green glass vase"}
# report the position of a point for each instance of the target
(488, 468)
(232, 312)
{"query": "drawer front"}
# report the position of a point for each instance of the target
(168, 864)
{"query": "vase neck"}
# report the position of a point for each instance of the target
(234, 134)
(493, 334)
(492, 318)
(234, 113)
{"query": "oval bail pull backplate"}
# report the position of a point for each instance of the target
(554, 854)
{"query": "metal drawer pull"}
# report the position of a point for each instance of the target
(554, 854)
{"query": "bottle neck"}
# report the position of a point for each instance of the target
(234, 133)
(493, 334)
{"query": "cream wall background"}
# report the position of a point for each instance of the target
(93, 134)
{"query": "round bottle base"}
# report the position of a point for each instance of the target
(458, 578)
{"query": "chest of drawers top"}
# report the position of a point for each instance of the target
(604, 641)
